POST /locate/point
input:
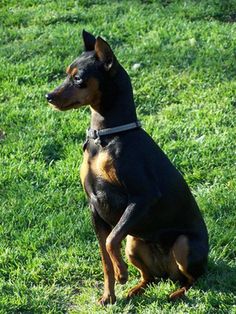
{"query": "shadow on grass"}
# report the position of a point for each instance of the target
(52, 152)
(219, 278)
(224, 11)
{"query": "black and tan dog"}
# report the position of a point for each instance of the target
(133, 189)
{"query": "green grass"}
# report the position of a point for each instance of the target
(185, 95)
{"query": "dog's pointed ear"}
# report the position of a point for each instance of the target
(89, 41)
(104, 53)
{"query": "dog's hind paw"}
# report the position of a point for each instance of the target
(137, 290)
(178, 294)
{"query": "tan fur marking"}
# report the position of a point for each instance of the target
(84, 168)
(178, 293)
(88, 95)
(74, 71)
(103, 166)
(172, 268)
(108, 271)
(71, 71)
(80, 96)
(68, 70)
(139, 254)
(180, 253)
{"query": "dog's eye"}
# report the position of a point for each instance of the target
(79, 82)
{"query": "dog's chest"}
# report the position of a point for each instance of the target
(101, 166)
(103, 188)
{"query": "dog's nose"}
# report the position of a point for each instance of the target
(49, 97)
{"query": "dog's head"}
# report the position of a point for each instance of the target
(86, 76)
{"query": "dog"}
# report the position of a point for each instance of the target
(133, 189)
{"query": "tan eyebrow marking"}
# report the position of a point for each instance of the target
(71, 71)
(74, 71)
(68, 70)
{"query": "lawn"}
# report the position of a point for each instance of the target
(181, 59)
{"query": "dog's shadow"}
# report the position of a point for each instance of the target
(220, 277)
(52, 152)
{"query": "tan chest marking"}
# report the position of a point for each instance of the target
(102, 166)
(84, 169)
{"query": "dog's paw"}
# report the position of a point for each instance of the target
(107, 299)
(122, 278)
(137, 290)
(121, 275)
(177, 294)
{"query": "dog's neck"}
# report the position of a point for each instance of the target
(117, 104)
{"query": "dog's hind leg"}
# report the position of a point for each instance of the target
(190, 258)
(139, 254)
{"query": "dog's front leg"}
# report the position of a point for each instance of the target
(102, 231)
(131, 217)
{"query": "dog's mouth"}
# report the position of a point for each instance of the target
(60, 107)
